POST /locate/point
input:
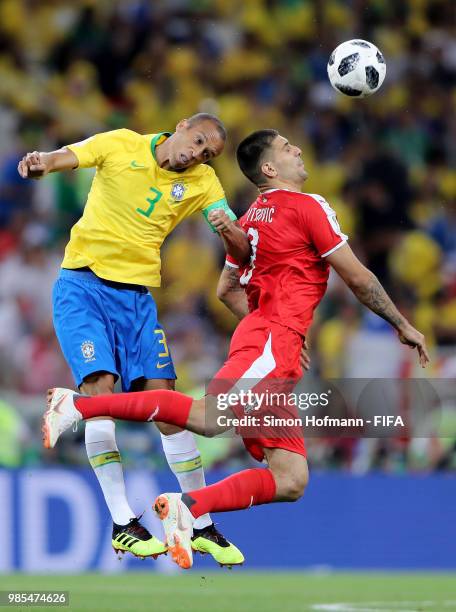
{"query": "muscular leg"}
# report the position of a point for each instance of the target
(139, 406)
(180, 450)
(290, 472)
(284, 480)
(172, 407)
(102, 451)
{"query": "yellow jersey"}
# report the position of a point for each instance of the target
(132, 206)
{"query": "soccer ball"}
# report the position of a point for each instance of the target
(356, 68)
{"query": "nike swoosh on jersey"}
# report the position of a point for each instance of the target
(134, 164)
(162, 365)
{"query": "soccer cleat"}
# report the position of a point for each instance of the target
(60, 415)
(135, 539)
(177, 522)
(210, 540)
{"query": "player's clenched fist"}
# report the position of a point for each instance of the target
(219, 220)
(33, 165)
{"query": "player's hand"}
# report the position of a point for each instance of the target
(305, 357)
(33, 165)
(219, 220)
(412, 337)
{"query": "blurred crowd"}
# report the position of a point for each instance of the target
(69, 69)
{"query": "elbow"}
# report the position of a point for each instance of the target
(361, 281)
(222, 292)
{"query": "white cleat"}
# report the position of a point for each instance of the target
(60, 415)
(178, 525)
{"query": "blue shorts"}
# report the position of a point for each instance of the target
(101, 327)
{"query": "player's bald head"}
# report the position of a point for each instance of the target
(207, 117)
(250, 153)
(196, 140)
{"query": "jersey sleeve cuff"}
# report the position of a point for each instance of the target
(82, 163)
(230, 264)
(73, 149)
(334, 248)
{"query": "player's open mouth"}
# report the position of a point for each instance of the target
(184, 159)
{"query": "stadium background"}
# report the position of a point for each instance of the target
(386, 164)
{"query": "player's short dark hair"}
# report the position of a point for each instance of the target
(199, 117)
(250, 153)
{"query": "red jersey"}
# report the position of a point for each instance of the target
(291, 234)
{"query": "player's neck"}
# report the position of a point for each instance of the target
(162, 154)
(280, 184)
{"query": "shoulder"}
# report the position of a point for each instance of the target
(298, 203)
(120, 134)
(126, 136)
(204, 171)
(316, 201)
(121, 138)
(288, 197)
(206, 177)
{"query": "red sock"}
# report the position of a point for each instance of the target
(162, 405)
(242, 490)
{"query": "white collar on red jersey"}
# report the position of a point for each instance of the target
(279, 189)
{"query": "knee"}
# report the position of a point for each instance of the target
(210, 430)
(296, 487)
(200, 420)
(199, 425)
(97, 384)
(167, 430)
(292, 486)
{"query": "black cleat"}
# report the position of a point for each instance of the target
(210, 540)
(135, 539)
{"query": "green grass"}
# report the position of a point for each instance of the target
(241, 591)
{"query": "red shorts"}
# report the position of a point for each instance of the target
(264, 356)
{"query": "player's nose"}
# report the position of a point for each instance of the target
(198, 155)
(190, 155)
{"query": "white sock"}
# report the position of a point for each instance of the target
(104, 457)
(184, 460)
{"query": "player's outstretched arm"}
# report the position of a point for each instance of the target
(234, 238)
(36, 165)
(230, 292)
(369, 291)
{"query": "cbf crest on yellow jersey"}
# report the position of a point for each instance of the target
(133, 205)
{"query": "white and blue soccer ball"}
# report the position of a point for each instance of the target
(356, 68)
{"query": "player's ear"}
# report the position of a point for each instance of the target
(268, 170)
(182, 125)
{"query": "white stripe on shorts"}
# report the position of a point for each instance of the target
(260, 368)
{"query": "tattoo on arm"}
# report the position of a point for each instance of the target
(232, 294)
(233, 278)
(375, 297)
